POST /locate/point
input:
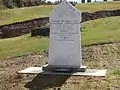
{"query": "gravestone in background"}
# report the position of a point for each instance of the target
(83, 1)
(65, 43)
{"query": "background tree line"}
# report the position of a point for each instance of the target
(20, 3)
(26, 3)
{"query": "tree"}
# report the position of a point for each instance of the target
(49, 3)
(56, 2)
(73, 3)
(20, 3)
(4, 3)
(1, 4)
(10, 4)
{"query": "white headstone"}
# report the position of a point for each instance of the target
(65, 40)
(65, 56)
(65, 45)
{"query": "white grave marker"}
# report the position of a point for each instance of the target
(65, 45)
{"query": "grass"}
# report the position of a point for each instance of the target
(93, 32)
(92, 7)
(101, 30)
(22, 45)
(94, 57)
(117, 73)
(21, 14)
(9, 16)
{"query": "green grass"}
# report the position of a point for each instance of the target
(21, 14)
(92, 7)
(101, 30)
(9, 16)
(22, 45)
(93, 32)
(117, 73)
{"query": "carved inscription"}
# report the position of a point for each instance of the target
(66, 30)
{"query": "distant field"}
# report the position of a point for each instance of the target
(92, 7)
(93, 32)
(21, 14)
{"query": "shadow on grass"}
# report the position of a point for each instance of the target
(41, 82)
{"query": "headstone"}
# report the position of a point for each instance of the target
(65, 56)
(88, 0)
(65, 43)
(83, 1)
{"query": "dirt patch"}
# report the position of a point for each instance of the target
(100, 56)
(9, 78)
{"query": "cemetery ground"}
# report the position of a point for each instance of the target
(25, 51)
(100, 49)
(100, 56)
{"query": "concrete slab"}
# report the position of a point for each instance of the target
(88, 72)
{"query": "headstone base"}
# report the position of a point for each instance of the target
(88, 72)
(63, 69)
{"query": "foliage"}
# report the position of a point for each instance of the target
(1, 4)
(21, 3)
(10, 4)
